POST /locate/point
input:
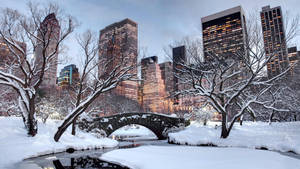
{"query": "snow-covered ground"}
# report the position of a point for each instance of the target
(134, 131)
(179, 157)
(277, 136)
(15, 145)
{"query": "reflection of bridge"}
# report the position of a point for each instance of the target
(159, 124)
(86, 162)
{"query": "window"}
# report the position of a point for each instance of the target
(278, 12)
(270, 15)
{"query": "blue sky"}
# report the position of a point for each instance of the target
(160, 22)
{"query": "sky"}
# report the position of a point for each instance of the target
(160, 22)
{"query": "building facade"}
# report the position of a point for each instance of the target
(68, 76)
(293, 57)
(152, 86)
(8, 59)
(224, 34)
(118, 45)
(167, 76)
(274, 40)
(179, 58)
(50, 32)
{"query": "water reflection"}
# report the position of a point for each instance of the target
(87, 162)
(88, 159)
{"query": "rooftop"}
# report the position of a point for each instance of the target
(119, 24)
(267, 8)
(222, 14)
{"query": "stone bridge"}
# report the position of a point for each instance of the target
(159, 124)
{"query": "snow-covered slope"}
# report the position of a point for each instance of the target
(189, 157)
(15, 145)
(277, 136)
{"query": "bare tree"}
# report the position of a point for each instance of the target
(280, 103)
(121, 104)
(92, 84)
(29, 40)
(230, 83)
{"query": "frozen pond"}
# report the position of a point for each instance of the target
(83, 159)
(90, 159)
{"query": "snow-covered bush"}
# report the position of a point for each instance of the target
(52, 104)
(203, 114)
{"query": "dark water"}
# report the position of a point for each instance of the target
(86, 162)
(76, 160)
(88, 159)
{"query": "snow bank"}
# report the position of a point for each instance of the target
(277, 136)
(16, 145)
(179, 157)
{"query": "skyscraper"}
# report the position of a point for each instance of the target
(153, 87)
(294, 57)
(117, 42)
(68, 76)
(224, 34)
(179, 58)
(50, 32)
(274, 39)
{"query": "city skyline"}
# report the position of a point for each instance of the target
(177, 19)
(150, 84)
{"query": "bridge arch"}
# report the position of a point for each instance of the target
(152, 132)
(159, 124)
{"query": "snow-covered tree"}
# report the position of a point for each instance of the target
(114, 103)
(203, 114)
(23, 35)
(53, 104)
(280, 103)
(229, 83)
(91, 83)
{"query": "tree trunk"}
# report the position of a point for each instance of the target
(271, 117)
(74, 127)
(31, 123)
(224, 133)
(225, 130)
(67, 123)
(204, 122)
(241, 120)
(60, 131)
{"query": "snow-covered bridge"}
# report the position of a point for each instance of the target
(159, 124)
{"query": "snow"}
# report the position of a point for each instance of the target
(277, 136)
(179, 157)
(134, 131)
(104, 120)
(16, 145)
